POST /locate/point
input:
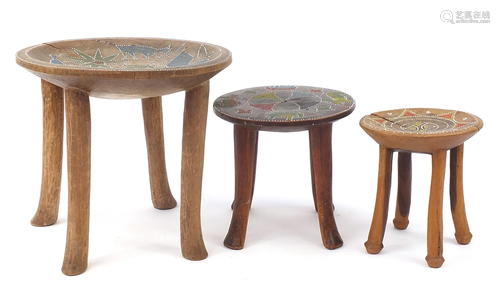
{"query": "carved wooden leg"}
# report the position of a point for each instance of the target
(78, 145)
(435, 220)
(313, 180)
(53, 128)
(153, 127)
(404, 191)
(254, 165)
(376, 236)
(321, 151)
(193, 151)
(245, 156)
(462, 234)
(256, 143)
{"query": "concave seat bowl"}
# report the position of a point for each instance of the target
(125, 67)
(421, 129)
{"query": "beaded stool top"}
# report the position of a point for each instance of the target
(422, 121)
(284, 105)
(123, 54)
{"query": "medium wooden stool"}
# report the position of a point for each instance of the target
(283, 109)
(121, 68)
(431, 131)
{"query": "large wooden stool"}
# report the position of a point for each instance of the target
(283, 109)
(121, 68)
(431, 131)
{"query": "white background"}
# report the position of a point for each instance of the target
(386, 54)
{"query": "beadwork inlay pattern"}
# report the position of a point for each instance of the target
(124, 54)
(283, 103)
(420, 121)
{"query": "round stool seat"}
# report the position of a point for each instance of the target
(117, 68)
(421, 130)
(283, 108)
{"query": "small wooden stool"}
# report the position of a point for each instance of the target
(431, 131)
(283, 109)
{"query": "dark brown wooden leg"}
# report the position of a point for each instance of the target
(245, 156)
(321, 151)
(78, 144)
(462, 232)
(376, 236)
(404, 191)
(256, 145)
(435, 220)
(53, 128)
(313, 180)
(153, 127)
(193, 152)
(254, 165)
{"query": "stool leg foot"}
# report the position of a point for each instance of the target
(245, 156)
(53, 128)
(435, 220)
(321, 152)
(78, 144)
(404, 191)
(377, 230)
(435, 262)
(153, 127)
(193, 152)
(462, 232)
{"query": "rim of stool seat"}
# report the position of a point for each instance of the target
(284, 107)
(418, 126)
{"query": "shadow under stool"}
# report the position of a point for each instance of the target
(431, 131)
(283, 109)
(121, 68)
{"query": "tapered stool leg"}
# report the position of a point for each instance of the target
(78, 144)
(435, 220)
(321, 152)
(377, 230)
(462, 232)
(404, 191)
(193, 152)
(53, 128)
(255, 149)
(313, 179)
(245, 156)
(153, 127)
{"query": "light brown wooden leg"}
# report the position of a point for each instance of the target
(193, 152)
(435, 220)
(462, 234)
(78, 147)
(153, 127)
(321, 151)
(404, 191)
(376, 236)
(245, 156)
(53, 128)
